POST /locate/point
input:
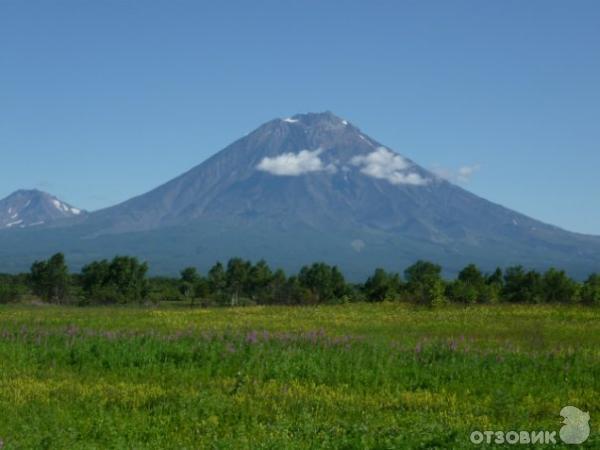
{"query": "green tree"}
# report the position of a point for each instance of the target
(237, 278)
(277, 291)
(492, 290)
(294, 293)
(522, 286)
(188, 281)
(259, 281)
(382, 286)
(202, 288)
(123, 280)
(94, 275)
(161, 288)
(12, 288)
(424, 283)
(558, 287)
(217, 282)
(50, 279)
(464, 292)
(590, 293)
(495, 278)
(322, 282)
(472, 275)
(471, 286)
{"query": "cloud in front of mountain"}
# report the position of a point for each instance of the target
(386, 165)
(294, 164)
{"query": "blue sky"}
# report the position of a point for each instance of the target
(101, 101)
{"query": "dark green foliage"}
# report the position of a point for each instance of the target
(471, 275)
(244, 282)
(494, 283)
(472, 286)
(201, 289)
(187, 283)
(50, 279)
(590, 293)
(462, 292)
(522, 286)
(9, 293)
(12, 288)
(284, 291)
(259, 280)
(558, 287)
(382, 286)
(122, 280)
(163, 289)
(323, 283)
(237, 278)
(241, 282)
(468, 287)
(276, 291)
(495, 278)
(193, 286)
(425, 284)
(217, 282)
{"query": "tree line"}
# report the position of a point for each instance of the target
(125, 279)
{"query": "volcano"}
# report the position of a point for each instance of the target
(312, 187)
(30, 208)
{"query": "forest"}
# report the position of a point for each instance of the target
(125, 280)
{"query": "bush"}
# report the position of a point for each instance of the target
(121, 280)
(10, 293)
(323, 282)
(491, 293)
(425, 284)
(558, 287)
(472, 286)
(382, 286)
(522, 286)
(590, 293)
(459, 291)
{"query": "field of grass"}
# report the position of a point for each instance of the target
(355, 376)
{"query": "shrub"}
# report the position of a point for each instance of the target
(425, 284)
(522, 286)
(558, 287)
(590, 293)
(382, 286)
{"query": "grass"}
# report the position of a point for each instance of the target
(354, 376)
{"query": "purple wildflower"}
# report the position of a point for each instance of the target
(252, 337)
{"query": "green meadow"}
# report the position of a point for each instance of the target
(356, 376)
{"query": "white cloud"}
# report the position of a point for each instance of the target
(386, 165)
(465, 172)
(293, 164)
(462, 175)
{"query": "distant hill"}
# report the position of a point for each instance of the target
(306, 188)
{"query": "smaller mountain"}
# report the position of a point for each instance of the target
(30, 208)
